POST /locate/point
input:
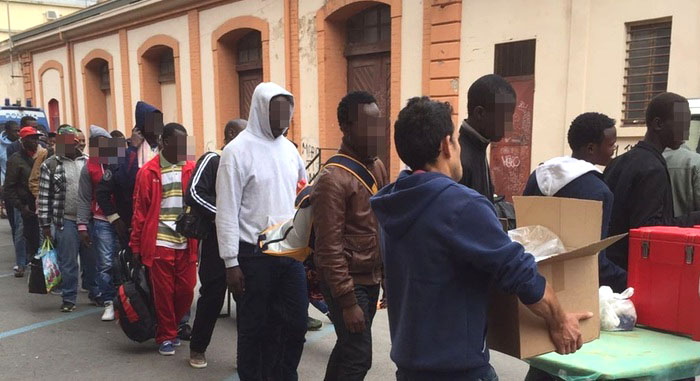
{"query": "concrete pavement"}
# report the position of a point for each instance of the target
(39, 342)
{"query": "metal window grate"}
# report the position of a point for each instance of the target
(646, 68)
(166, 67)
(104, 77)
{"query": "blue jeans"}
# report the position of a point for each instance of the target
(105, 245)
(68, 248)
(18, 238)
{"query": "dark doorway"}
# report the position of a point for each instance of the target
(54, 115)
(249, 68)
(368, 52)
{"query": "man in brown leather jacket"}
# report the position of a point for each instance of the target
(347, 254)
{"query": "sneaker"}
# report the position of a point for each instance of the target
(166, 348)
(313, 324)
(197, 360)
(67, 307)
(56, 291)
(176, 342)
(184, 332)
(19, 271)
(108, 315)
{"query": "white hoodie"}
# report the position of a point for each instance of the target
(257, 178)
(556, 173)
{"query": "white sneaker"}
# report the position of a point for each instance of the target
(108, 315)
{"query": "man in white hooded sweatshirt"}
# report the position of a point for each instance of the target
(255, 188)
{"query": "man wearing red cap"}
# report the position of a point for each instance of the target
(19, 167)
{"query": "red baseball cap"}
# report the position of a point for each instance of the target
(28, 131)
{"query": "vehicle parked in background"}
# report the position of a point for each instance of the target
(17, 111)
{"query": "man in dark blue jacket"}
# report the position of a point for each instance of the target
(592, 138)
(115, 192)
(443, 247)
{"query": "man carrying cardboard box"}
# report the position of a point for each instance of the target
(443, 246)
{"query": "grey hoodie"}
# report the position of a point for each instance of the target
(257, 178)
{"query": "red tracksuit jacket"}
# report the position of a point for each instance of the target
(148, 193)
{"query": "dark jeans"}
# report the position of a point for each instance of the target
(271, 318)
(212, 276)
(30, 225)
(486, 374)
(351, 357)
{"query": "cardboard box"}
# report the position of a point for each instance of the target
(512, 328)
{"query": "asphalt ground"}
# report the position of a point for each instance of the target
(38, 342)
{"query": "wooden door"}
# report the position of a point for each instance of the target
(510, 158)
(247, 81)
(372, 73)
(54, 116)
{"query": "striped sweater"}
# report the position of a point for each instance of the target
(170, 206)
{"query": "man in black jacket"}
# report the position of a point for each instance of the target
(639, 178)
(16, 187)
(490, 107)
(201, 197)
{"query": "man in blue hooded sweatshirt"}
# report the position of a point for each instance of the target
(592, 137)
(443, 247)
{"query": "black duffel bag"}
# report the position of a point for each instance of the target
(133, 305)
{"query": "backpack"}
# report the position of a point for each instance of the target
(133, 305)
(294, 237)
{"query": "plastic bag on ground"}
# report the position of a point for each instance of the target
(49, 261)
(617, 312)
(539, 241)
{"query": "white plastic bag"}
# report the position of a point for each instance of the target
(539, 241)
(617, 312)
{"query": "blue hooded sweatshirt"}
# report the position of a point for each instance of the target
(443, 248)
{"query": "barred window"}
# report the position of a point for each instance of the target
(166, 67)
(646, 68)
(104, 77)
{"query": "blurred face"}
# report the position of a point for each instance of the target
(30, 143)
(12, 133)
(106, 151)
(153, 127)
(280, 115)
(500, 120)
(673, 131)
(366, 134)
(66, 145)
(175, 147)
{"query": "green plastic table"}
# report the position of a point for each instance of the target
(641, 354)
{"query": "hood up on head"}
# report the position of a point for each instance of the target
(557, 173)
(259, 117)
(143, 108)
(415, 190)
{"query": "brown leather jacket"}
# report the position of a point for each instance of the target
(347, 234)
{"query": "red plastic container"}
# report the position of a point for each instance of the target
(664, 269)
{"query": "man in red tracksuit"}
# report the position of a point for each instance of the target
(171, 258)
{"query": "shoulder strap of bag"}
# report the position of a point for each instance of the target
(357, 169)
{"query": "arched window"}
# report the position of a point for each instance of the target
(159, 81)
(54, 115)
(98, 93)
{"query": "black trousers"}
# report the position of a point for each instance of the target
(272, 317)
(486, 373)
(212, 276)
(351, 357)
(31, 236)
